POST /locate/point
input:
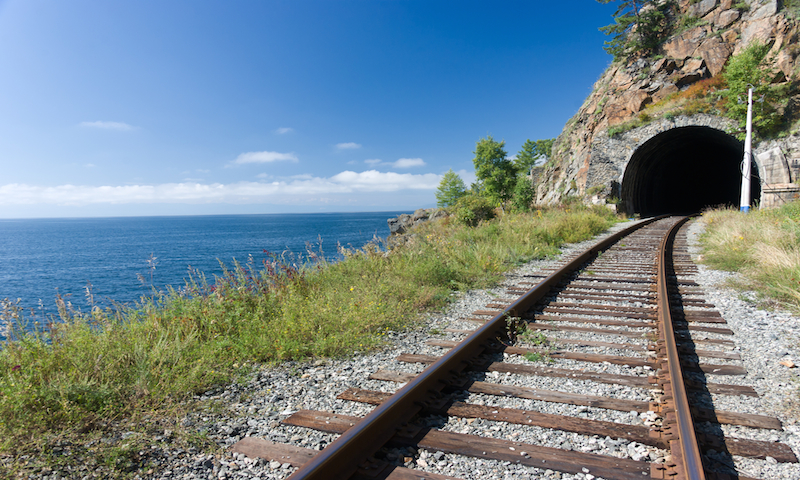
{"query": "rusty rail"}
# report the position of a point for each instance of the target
(343, 457)
(683, 441)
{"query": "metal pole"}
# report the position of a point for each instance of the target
(744, 201)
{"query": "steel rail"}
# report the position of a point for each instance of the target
(342, 458)
(689, 462)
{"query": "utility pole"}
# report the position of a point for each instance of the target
(744, 201)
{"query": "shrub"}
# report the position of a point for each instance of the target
(751, 67)
(473, 209)
(523, 194)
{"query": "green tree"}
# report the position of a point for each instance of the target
(451, 188)
(523, 194)
(496, 173)
(751, 67)
(532, 152)
(639, 27)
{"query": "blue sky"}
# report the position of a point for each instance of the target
(170, 107)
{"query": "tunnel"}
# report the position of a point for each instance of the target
(684, 170)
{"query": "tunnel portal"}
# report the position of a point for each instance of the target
(684, 170)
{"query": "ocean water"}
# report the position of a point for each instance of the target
(40, 258)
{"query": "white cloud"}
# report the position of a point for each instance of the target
(298, 188)
(284, 130)
(119, 126)
(372, 161)
(408, 163)
(468, 176)
(348, 146)
(265, 157)
(89, 165)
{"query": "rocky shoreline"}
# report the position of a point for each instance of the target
(404, 223)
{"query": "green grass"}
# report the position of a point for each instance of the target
(88, 371)
(764, 245)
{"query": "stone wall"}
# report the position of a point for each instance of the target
(779, 167)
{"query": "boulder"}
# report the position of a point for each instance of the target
(664, 92)
(420, 215)
(684, 45)
(726, 18)
(759, 30)
(626, 106)
(701, 9)
(399, 225)
(715, 53)
(658, 65)
(405, 222)
(689, 77)
(636, 100)
(693, 65)
(768, 10)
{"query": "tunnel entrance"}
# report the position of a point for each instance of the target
(684, 170)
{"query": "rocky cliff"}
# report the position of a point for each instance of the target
(637, 99)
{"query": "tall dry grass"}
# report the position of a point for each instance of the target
(763, 245)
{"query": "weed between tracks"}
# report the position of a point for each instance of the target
(764, 245)
(85, 373)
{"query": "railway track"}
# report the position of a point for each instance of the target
(616, 346)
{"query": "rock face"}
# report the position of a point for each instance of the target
(405, 222)
(585, 158)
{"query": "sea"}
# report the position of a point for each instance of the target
(118, 260)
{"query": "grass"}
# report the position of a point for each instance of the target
(704, 96)
(763, 245)
(77, 377)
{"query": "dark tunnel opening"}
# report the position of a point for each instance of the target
(684, 170)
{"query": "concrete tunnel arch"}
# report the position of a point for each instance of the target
(684, 170)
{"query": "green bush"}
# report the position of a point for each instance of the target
(523, 194)
(473, 209)
(751, 67)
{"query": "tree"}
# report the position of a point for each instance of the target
(751, 67)
(532, 152)
(451, 188)
(523, 194)
(639, 27)
(496, 173)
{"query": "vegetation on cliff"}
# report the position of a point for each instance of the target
(639, 28)
(80, 373)
(752, 68)
(641, 31)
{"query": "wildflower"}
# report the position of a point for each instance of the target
(16, 368)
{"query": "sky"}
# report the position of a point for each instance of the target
(172, 107)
